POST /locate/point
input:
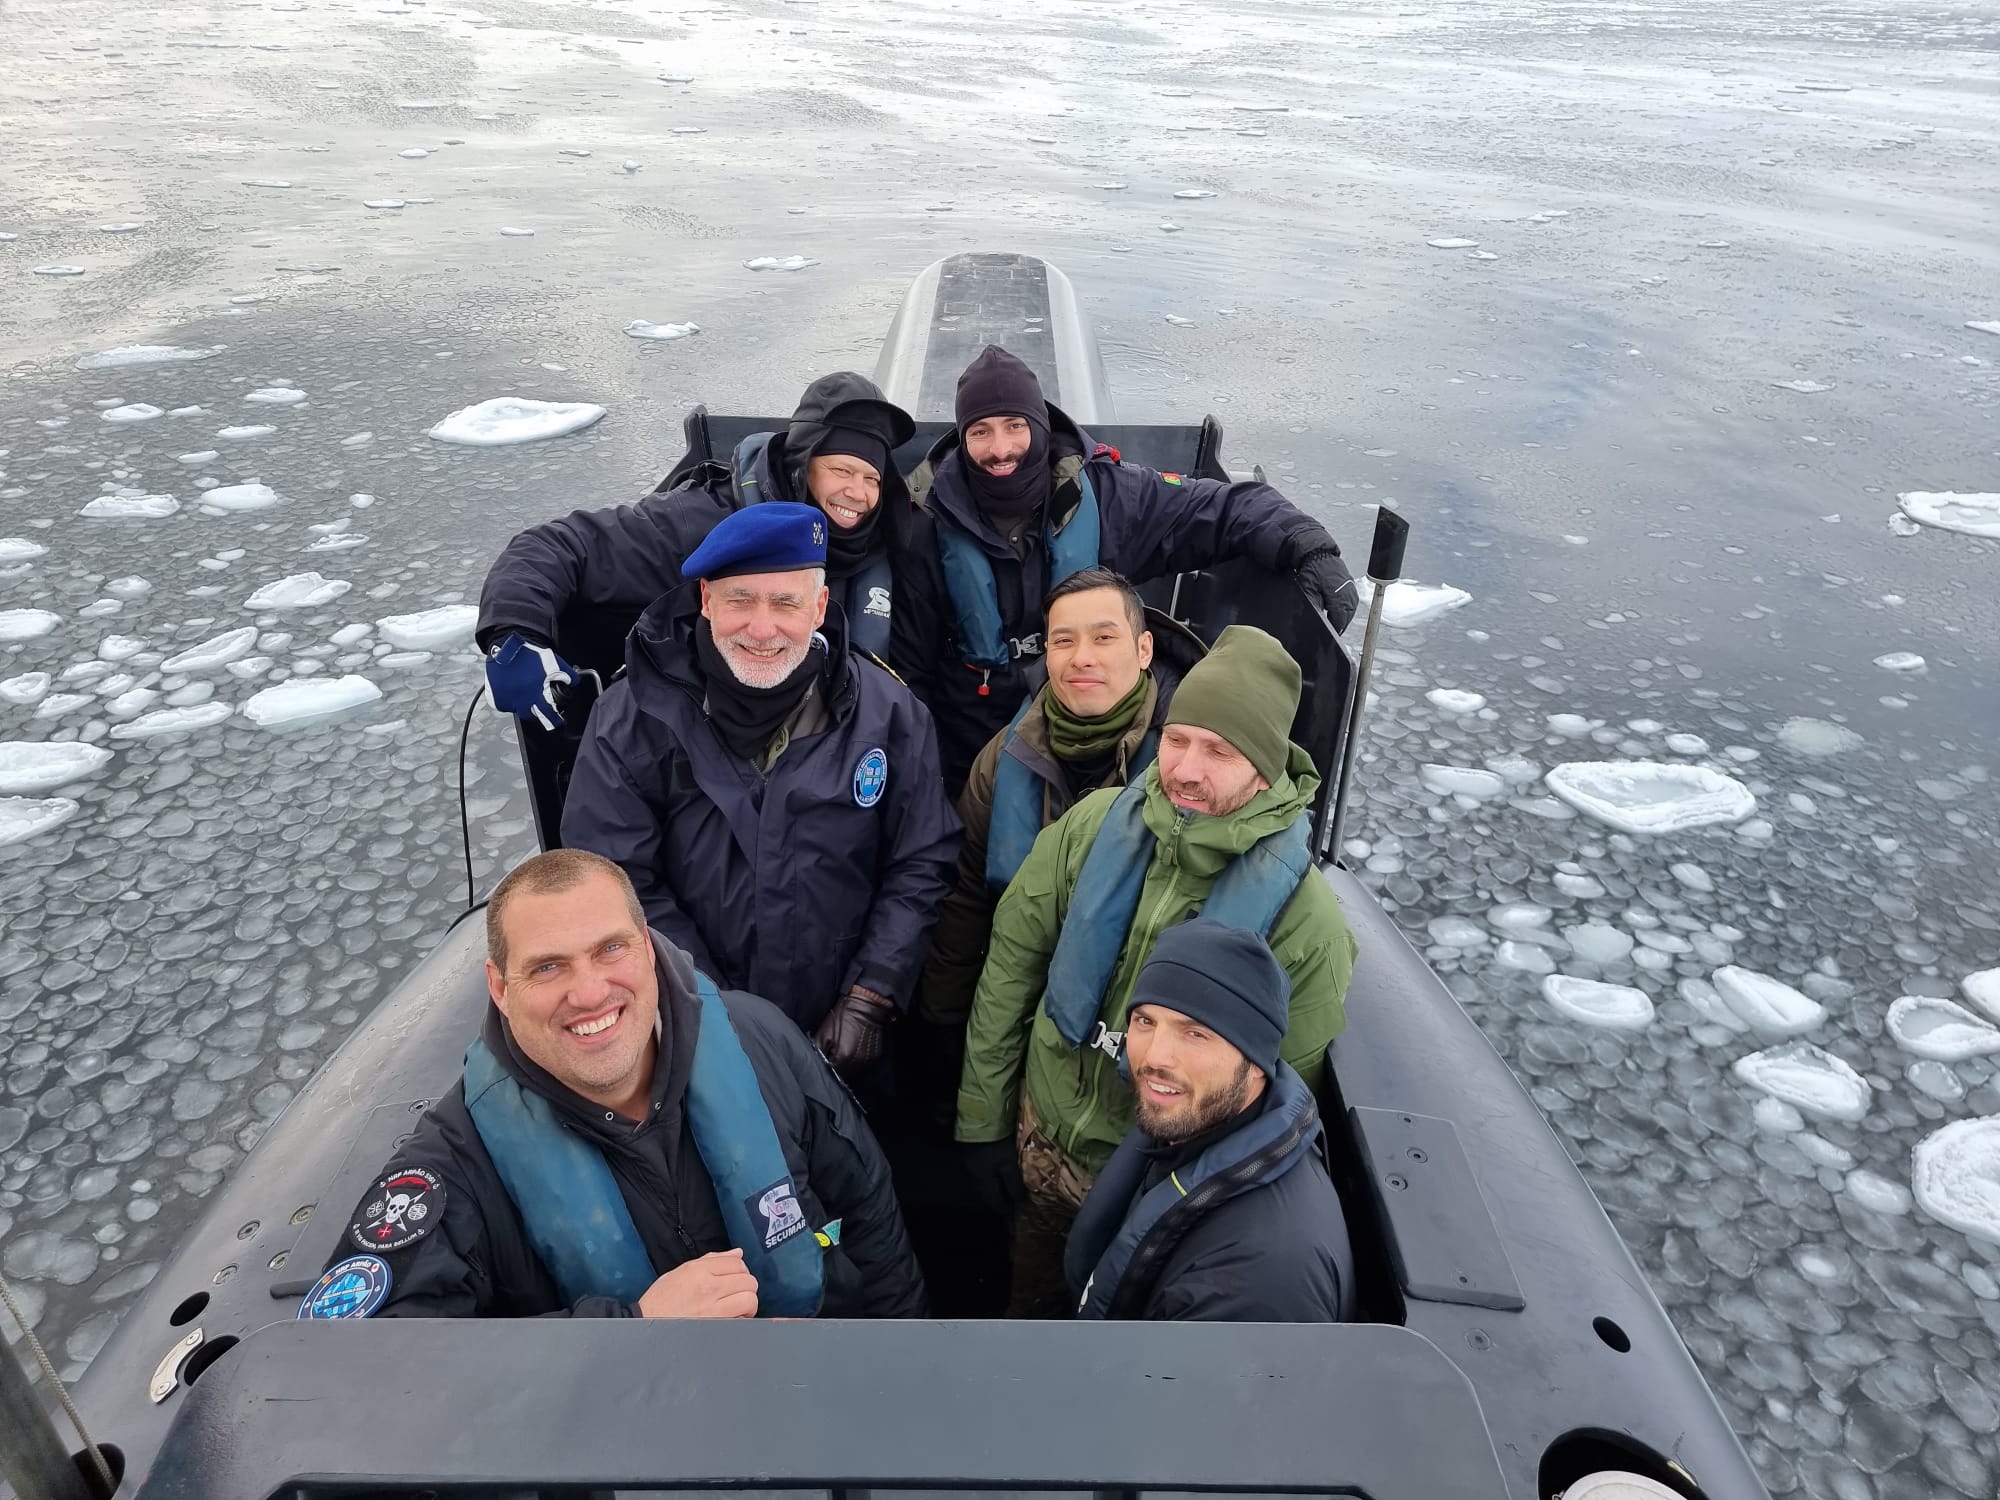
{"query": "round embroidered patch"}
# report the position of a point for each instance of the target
(353, 1288)
(871, 778)
(403, 1208)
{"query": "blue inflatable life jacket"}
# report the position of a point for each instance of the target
(968, 575)
(1121, 1238)
(577, 1219)
(866, 596)
(1249, 893)
(1018, 800)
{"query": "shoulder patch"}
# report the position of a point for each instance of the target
(871, 777)
(776, 1213)
(352, 1288)
(1172, 478)
(400, 1210)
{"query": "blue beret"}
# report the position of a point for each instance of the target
(775, 537)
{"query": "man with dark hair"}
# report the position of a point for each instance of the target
(586, 577)
(773, 794)
(1217, 1206)
(627, 1141)
(1220, 825)
(1112, 668)
(1020, 497)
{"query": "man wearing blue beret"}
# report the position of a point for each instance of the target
(773, 794)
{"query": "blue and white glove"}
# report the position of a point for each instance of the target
(522, 677)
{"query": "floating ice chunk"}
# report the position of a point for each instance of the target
(1900, 661)
(298, 591)
(403, 659)
(385, 202)
(1984, 327)
(433, 629)
(300, 702)
(29, 687)
(130, 356)
(514, 232)
(57, 704)
(779, 263)
(266, 182)
(639, 328)
(27, 767)
(137, 411)
(1194, 193)
(1180, 322)
(119, 647)
(1876, 1193)
(18, 549)
(244, 434)
(1529, 958)
(1983, 990)
(124, 705)
(1410, 603)
(276, 395)
(1803, 387)
(413, 153)
(1454, 701)
(1940, 1030)
(205, 456)
(677, 78)
(630, 164)
(1616, 1007)
(1955, 1175)
(1572, 726)
(231, 498)
(1969, 514)
(216, 651)
(345, 541)
(58, 270)
(1457, 932)
(130, 507)
(1111, 187)
(1461, 781)
(506, 420)
(1451, 244)
(1817, 738)
(250, 668)
(26, 624)
(1777, 1117)
(1693, 876)
(1766, 1004)
(1651, 797)
(172, 721)
(23, 818)
(349, 635)
(1687, 744)
(1807, 1078)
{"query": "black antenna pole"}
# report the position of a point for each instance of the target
(1385, 566)
(33, 1457)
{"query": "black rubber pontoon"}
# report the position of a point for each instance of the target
(1508, 1346)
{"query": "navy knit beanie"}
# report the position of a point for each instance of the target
(1225, 978)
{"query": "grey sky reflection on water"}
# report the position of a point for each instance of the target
(1599, 434)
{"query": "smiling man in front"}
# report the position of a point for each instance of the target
(773, 795)
(627, 1141)
(1220, 824)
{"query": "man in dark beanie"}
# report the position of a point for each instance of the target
(773, 795)
(583, 579)
(1021, 498)
(1217, 1206)
(1219, 825)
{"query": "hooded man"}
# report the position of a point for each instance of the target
(627, 1141)
(1020, 497)
(584, 578)
(1217, 1206)
(773, 795)
(1221, 825)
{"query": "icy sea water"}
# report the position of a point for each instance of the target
(1717, 312)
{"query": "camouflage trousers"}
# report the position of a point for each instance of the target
(1055, 1187)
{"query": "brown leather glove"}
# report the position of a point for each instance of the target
(856, 1031)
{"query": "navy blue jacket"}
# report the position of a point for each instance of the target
(581, 581)
(782, 884)
(1150, 525)
(475, 1259)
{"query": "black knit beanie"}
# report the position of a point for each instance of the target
(1225, 978)
(997, 384)
(1246, 690)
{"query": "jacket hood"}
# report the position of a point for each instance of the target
(939, 482)
(660, 652)
(825, 402)
(1204, 844)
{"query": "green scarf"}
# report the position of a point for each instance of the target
(1074, 738)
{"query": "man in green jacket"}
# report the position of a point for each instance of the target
(1220, 824)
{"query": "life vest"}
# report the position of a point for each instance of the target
(968, 576)
(1016, 817)
(1118, 1245)
(866, 596)
(1249, 893)
(577, 1219)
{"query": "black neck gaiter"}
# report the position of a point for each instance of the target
(1008, 502)
(847, 552)
(747, 717)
